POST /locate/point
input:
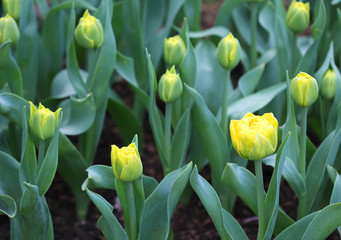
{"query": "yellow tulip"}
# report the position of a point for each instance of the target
(126, 162)
(9, 30)
(298, 16)
(329, 84)
(175, 50)
(170, 86)
(254, 137)
(228, 52)
(304, 89)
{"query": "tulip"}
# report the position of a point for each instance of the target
(298, 16)
(9, 30)
(254, 137)
(89, 31)
(304, 89)
(174, 50)
(43, 122)
(170, 86)
(12, 7)
(328, 85)
(126, 162)
(228, 52)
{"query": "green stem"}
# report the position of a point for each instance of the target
(254, 10)
(322, 103)
(132, 211)
(168, 135)
(224, 123)
(260, 200)
(302, 161)
(41, 153)
(293, 51)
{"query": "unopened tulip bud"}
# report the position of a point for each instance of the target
(170, 86)
(298, 16)
(175, 50)
(9, 30)
(43, 122)
(228, 52)
(126, 162)
(12, 7)
(89, 31)
(304, 89)
(328, 85)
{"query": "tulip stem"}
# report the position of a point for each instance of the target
(168, 132)
(302, 162)
(293, 51)
(254, 10)
(260, 199)
(132, 211)
(224, 123)
(41, 152)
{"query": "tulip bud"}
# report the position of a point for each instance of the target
(170, 86)
(89, 31)
(228, 52)
(298, 16)
(328, 85)
(126, 162)
(43, 122)
(304, 89)
(175, 50)
(9, 30)
(254, 137)
(12, 7)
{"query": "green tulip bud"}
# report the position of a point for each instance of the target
(328, 85)
(9, 30)
(175, 50)
(304, 89)
(170, 86)
(298, 16)
(126, 162)
(89, 31)
(12, 7)
(43, 122)
(228, 52)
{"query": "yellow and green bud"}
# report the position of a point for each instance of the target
(304, 89)
(228, 52)
(174, 50)
(170, 86)
(298, 16)
(89, 31)
(126, 162)
(255, 137)
(12, 7)
(328, 85)
(9, 30)
(43, 122)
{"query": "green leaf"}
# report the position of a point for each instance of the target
(336, 193)
(225, 11)
(324, 155)
(8, 206)
(79, 114)
(218, 31)
(49, 166)
(36, 215)
(226, 225)
(111, 228)
(9, 70)
(159, 206)
(324, 223)
(11, 107)
(249, 81)
(319, 24)
(254, 102)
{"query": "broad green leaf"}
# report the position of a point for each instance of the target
(267, 56)
(249, 81)
(8, 206)
(48, 168)
(35, 213)
(11, 107)
(79, 114)
(112, 228)
(336, 193)
(125, 118)
(159, 206)
(324, 223)
(296, 230)
(324, 155)
(254, 102)
(243, 183)
(192, 9)
(61, 86)
(225, 11)
(9, 70)
(319, 23)
(226, 225)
